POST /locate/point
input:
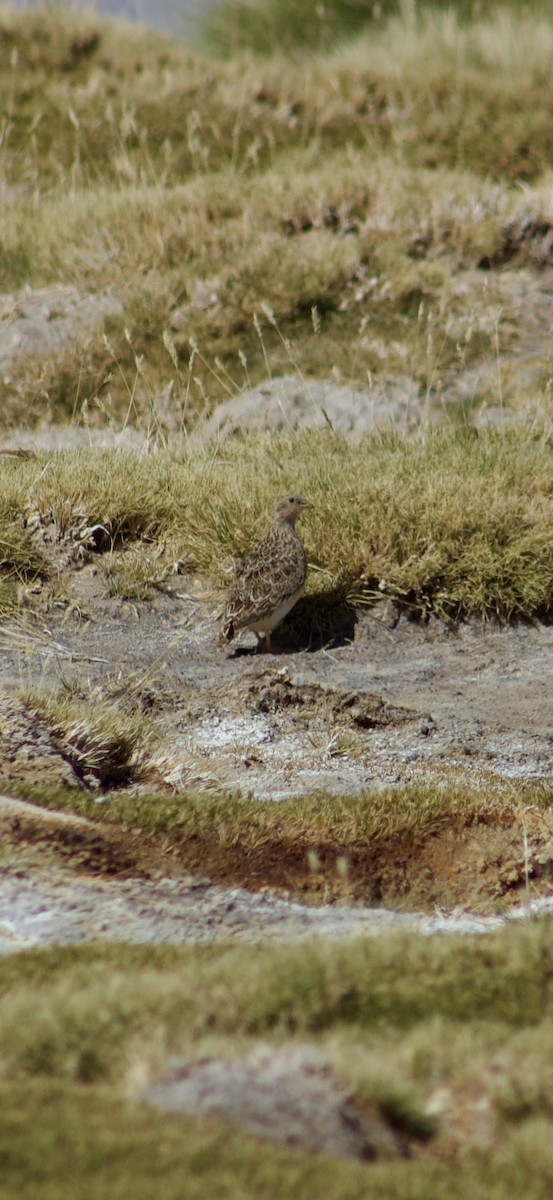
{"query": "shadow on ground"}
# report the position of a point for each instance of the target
(320, 621)
(323, 620)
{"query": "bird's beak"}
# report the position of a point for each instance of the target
(307, 504)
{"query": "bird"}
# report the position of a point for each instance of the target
(269, 580)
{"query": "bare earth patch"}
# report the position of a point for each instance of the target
(389, 707)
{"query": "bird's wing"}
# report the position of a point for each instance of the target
(264, 579)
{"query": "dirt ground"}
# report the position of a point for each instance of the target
(387, 702)
(378, 700)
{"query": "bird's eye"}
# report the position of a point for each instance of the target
(290, 499)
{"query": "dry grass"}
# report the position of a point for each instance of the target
(106, 747)
(455, 521)
(376, 184)
(297, 26)
(355, 183)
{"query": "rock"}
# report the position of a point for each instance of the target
(43, 323)
(290, 402)
(502, 387)
(287, 1095)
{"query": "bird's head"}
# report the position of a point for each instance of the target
(290, 508)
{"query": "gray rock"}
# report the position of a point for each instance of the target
(291, 402)
(45, 322)
(287, 1095)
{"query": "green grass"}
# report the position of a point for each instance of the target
(392, 847)
(269, 27)
(341, 824)
(456, 520)
(81, 1030)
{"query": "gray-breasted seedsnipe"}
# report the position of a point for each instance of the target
(269, 580)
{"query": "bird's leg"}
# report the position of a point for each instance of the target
(263, 643)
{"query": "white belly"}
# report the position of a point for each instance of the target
(270, 622)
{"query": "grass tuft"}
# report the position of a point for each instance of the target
(105, 746)
(455, 522)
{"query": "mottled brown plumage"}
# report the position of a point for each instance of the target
(269, 580)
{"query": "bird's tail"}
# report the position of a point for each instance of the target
(226, 635)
